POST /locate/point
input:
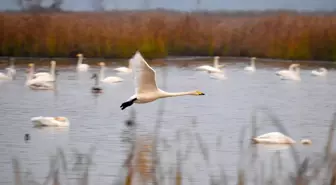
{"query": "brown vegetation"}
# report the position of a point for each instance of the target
(161, 33)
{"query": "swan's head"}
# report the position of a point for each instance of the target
(216, 57)
(101, 63)
(253, 58)
(306, 141)
(94, 76)
(198, 93)
(31, 65)
(79, 55)
(53, 62)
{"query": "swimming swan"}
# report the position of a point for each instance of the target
(293, 73)
(110, 79)
(146, 89)
(47, 77)
(36, 83)
(11, 68)
(8, 76)
(125, 69)
(252, 67)
(80, 65)
(320, 72)
(41, 121)
(214, 68)
(96, 89)
(277, 138)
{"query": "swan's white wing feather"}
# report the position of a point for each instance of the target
(144, 75)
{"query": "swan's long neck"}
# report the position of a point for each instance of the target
(80, 60)
(253, 63)
(165, 94)
(52, 70)
(129, 64)
(101, 73)
(215, 62)
(30, 74)
(292, 67)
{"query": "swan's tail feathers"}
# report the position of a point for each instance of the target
(127, 103)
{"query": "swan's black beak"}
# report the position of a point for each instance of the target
(201, 94)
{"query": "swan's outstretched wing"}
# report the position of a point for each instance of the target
(144, 75)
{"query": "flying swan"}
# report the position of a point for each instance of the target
(293, 73)
(320, 72)
(44, 76)
(251, 67)
(146, 89)
(125, 69)
(80, 65)
(36, 83)
(110, 79)
(41, 121)
(214, 68)
(277, 138)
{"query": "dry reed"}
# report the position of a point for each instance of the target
(160, 33)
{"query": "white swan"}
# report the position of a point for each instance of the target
(125, 69)
(146, 89)
(8, 76)
(11, 67)
(293, 73)
(252, 67)
(110, 79)
(214, 68)
(80, 65)
(47, 77)
(320, 72)
(277, 138)
(36, 83)
(41, 121)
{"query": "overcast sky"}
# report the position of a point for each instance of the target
(78, 5)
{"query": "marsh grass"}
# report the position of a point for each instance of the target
(118, 34)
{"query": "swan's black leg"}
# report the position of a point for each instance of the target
(127, 104)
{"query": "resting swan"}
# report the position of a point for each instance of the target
(36, 83)
(146, 89)
(277, 138)
(320, 72)
(47, 77)
(41, 121)
(125, 69)
(80, 65)
(8, 76)
(214, 68)
(293, 73)
(252, 67)
(96, 88)
(110, 79)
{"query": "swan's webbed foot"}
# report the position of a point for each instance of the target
(127, 104)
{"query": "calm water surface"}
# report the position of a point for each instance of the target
(304, 107)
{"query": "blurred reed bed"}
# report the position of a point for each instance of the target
(118, 34)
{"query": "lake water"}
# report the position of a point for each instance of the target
(305, 108)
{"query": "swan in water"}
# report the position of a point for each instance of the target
(41, 121)
(251, 67)
(218, 75)
(8, 76)
(11, 67)
(80, 65)
(293, 73)
(110, 79)
(36, 83)
(96, 89)
(125, 69)
(47, 77)
(277, 138)
(214, 68)
(146, 89)
(320, 72)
